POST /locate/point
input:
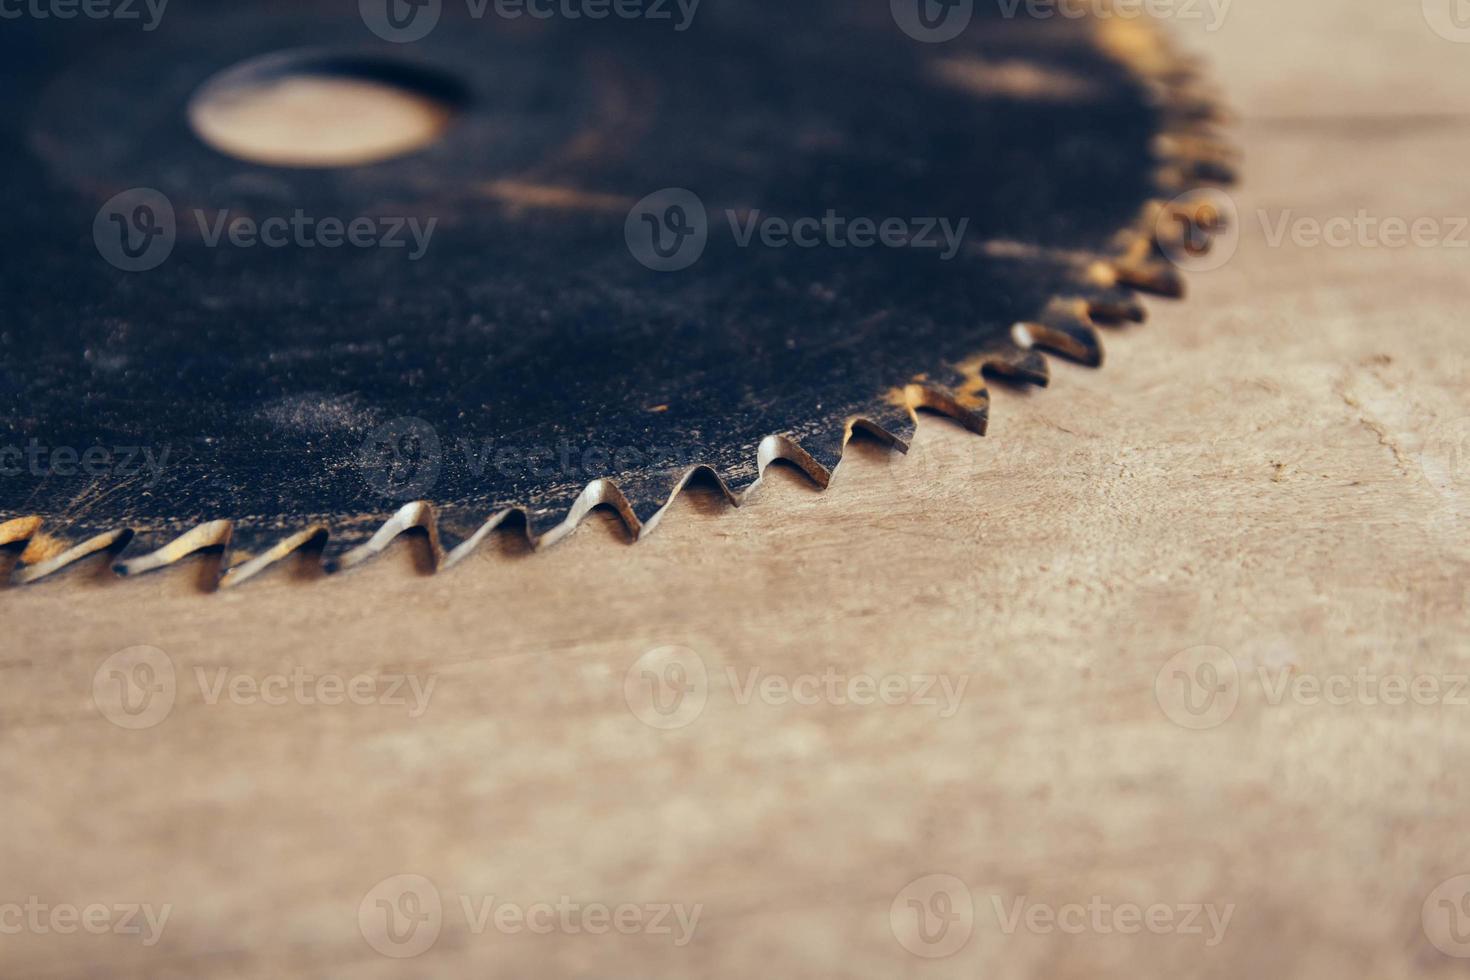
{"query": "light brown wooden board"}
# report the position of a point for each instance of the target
(1247, 472)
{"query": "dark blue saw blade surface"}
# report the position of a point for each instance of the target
(298, 386)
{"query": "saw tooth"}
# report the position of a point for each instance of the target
(1116, 306)
(969, 406)
(166, 548)
(1152, 275)
(456, 553)
(694, 472)
(891, 421)
(458, 524)
(1065, 328)
(245, 562)
(784, 447)
(593, 495)
(1195, 145)
(1018, 363)
(49, 552)
(18, 529)
(345, 552)
(1206, 172)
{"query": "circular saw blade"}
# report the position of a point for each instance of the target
(636, 253)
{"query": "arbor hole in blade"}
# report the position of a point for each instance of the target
(319, 109)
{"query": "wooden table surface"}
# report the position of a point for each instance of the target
(1278, 468)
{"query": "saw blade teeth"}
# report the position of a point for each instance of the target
(245, 563)
(891, 421)
(1156, 276)
(1200, 172)
(18, 529)
(417, 514)
(1019, 363)
(969, 406)
(1065, 328)
(1101, 284)
(1194, 146)
(46, 554)
(595, 494)
(1116, 306)
(210, 534)
(780, 447)
(456, 553)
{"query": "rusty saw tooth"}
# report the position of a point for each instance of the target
(1013, 362)
(357, 545)
(49, 548)
(1195, 147)
(1116, 306)
(18, 529)
(152, 550)
(888, 421)
(1156, 276)
(253, 551)
(969, 405)
(1065, 328)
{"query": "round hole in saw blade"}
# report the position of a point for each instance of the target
(310, 109)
